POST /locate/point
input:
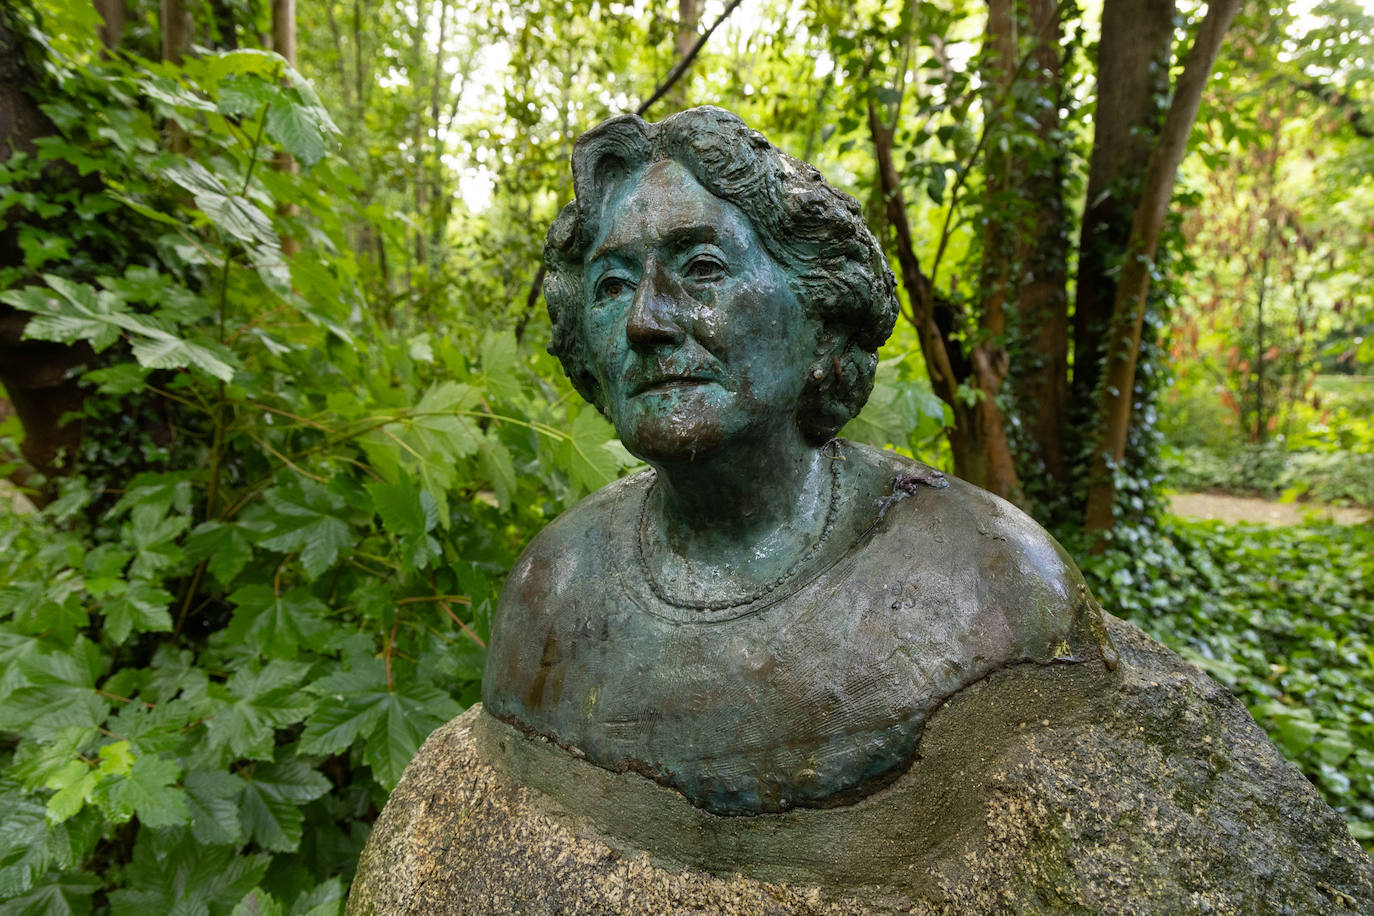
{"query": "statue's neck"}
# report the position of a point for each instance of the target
(748, 505)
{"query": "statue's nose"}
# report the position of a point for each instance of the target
(653, 318)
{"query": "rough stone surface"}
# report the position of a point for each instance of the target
(1038, 789)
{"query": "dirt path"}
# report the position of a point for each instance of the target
(1252, 509)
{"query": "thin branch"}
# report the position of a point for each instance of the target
(682, 65)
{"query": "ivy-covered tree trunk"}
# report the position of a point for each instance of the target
(1030, 241)
(1132, 84)
(1128, 308)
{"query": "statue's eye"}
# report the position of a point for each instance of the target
(705, 267)
(611, 288)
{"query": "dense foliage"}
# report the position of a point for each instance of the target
(226, 637)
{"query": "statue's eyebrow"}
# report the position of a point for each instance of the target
(673, 240)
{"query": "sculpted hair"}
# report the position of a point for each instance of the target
(816, 233)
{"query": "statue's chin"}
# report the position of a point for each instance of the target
(663, 440)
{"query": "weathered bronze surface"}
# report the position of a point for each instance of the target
(766, 618)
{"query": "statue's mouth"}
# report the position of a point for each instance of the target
(668, 383)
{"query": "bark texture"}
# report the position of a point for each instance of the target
(1128, 308)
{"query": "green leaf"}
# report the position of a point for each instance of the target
(172, 874)
(78, 312)
(147, 791)
(262, 702)
(498, 355)
(120, 379)
(306, 519)
(269, 803)
(259, 903)
(326, 899)
(395, 722)
(401, 508)
(141, 608)
(296, 130)
(213, 799)
(590, 464)
(160, 350)
(225, 547)
(233, 214)
(61, 894)
(275, 625)
(60, 694)
(243, 95)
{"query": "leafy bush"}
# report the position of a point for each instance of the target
(213, 670)
(1282, 616)
(1271, 470)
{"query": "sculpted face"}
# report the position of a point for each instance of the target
(695, 335)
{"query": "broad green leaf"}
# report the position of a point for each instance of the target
(590, 464)
(326, 899)
(160, 350)
(259, 703)
(498, 355)
(357, 702)
(141, 608)
(224, 546)
(147, 791)
(296, 130)
(259, 903)
(305, 519)
(270, 798)
(78, 312)
(60, 694)
(401, 509)
(243, 95)
(275, 625)
(212, 796)
(60, 894)
(172, 874)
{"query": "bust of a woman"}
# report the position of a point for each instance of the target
(767, 616)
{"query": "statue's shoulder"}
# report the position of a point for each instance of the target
(961, 537)
(576, 546)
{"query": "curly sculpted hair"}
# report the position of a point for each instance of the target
(817, 234)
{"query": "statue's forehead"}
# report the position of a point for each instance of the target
(662, 202)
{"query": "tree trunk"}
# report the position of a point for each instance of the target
(112, 15)
(982, 453)
(1128, 308)
(1039, 374)
(688, 15)
(176, 30)
(284, 43)
(1132, 76)
(38, 376)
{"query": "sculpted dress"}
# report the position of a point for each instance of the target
(811, 695)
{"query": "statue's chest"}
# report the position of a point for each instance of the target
(812, 698)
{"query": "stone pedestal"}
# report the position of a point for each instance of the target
(1041, 788)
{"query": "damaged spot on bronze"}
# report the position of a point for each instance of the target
(766, 618)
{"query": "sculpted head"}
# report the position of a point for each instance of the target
(697, 230)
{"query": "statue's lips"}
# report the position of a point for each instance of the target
(665, 383)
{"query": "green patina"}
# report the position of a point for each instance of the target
(764, 619)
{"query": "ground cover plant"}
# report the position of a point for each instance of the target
(1283, 616)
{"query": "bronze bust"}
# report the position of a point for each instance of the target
(766, 618)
